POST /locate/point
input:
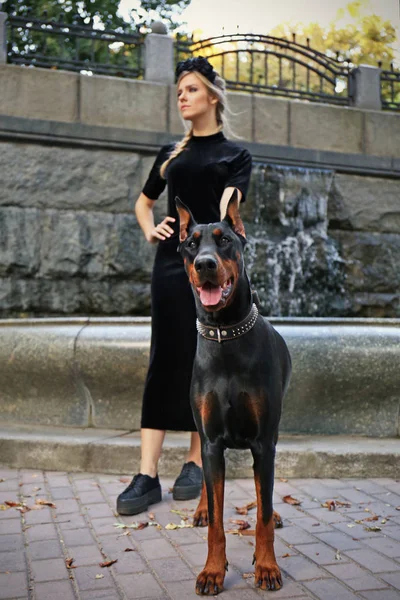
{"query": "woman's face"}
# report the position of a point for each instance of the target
(194, 99)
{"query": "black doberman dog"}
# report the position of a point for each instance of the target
(240, 374)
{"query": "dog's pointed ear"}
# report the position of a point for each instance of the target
(186, 219)
(232, 216)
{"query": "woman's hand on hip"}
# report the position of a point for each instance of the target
(161, 231)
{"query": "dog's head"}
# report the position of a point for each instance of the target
(213, 255)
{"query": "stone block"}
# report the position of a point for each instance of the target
(19, 241)
(242, 118)
(38, 382)
(159, 58)
(38, 93)
(3, 38)
(364, 204)
(323, 127)
(115, 399)
(271, 120)
(366, 87)
(68, 178)
(382, 133)
(126, 103)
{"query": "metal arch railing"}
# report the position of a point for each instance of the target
(318, 70)
(31, 42)
(390, 89)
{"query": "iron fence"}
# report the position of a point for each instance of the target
(269, 65)
(50, 44)
(390, 89)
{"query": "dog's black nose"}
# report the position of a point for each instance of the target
(206, 262)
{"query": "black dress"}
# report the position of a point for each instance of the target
(198, 176)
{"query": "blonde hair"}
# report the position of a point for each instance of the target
(216, 89)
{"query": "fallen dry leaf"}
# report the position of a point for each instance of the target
(247, 575)
(291, 500)
(240, 523)
(151, 516)
(4, 507)
(373, 528)
(68, 563)
(286, 555)
(1, 479)
(329, 504)
(41, 502)
(243, 510)
(373, 518)
(99, 576)
(108, 563)
(124, 479)
(337, 555)
(397, 508)
(345, 504)
(12, 504)
(241, 531)
(283, 480)
(129, 550)
(135, 525)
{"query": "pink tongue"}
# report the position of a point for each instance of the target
(210, 295)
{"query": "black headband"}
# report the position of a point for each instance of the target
(199, 64)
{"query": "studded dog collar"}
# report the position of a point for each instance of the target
(223, 334)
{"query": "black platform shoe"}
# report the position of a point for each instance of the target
(188, 484)
(140, 493)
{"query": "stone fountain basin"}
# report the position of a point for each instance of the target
(89, 372)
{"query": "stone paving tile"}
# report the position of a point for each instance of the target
(163, 564)
(355, 577)
(374, 562)
(329, 589)
(45, 549)
(381, 595)
(13, 585)
(12, 561)
(392, 578)
(140, 585)
(49, 570)
(47, 591)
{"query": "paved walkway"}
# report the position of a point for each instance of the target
(327, 554)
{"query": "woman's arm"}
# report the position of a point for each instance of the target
(145, 216)
(226, 196)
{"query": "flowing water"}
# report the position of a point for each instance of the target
(293, 264)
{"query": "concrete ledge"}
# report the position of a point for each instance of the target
(107, 451)
(133, 140)
(77, 372)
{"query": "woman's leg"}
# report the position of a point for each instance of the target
(152, 441)
(194, 453)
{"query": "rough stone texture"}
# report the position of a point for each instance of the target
(127, 103)
(69, 178)
(323, 127)
(270, 120)
(372, 274)
(382, 133)
(38, 93)
(364, 204)
(176, 125)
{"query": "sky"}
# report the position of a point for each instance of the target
(260, 16)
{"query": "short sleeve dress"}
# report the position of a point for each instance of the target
(198, 176)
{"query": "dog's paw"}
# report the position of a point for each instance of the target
(268, 577)
(200, 518)
(278, 523)
(210, 582)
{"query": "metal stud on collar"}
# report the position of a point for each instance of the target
(220, 335)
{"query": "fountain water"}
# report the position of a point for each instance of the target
(292, 262)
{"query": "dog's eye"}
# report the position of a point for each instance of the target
(224, 241)
(192, 245)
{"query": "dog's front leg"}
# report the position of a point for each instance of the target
(211, 579)
(267, 574)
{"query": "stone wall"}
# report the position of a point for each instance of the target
(323, 213)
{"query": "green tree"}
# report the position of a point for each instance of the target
(53, 48)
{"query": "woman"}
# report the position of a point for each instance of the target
(203, 170)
